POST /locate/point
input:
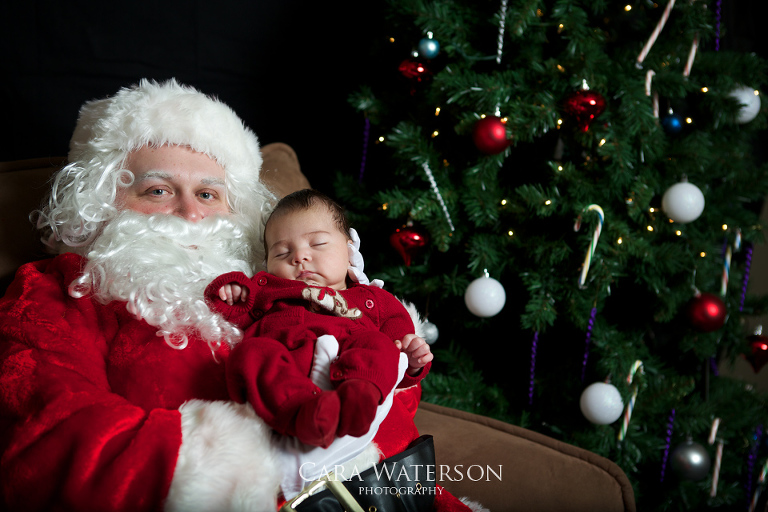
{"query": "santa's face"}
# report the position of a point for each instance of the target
(306, 245)
(174, 180)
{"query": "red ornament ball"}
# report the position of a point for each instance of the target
(408, 242)
(706, 312)
(585, 106)
(490, 135)
(413, 69)
(759, 356)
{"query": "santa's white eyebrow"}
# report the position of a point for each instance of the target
(163, 175)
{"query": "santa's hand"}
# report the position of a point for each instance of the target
(356, 263)
(233, 292)
(417, 350)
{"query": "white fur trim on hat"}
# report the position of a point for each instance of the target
(157, 114)
(226, 461)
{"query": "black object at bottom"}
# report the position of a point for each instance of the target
(402, 483)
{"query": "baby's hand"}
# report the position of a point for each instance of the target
(233, 292)
(417, 350)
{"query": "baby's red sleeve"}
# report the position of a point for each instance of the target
(237, 313)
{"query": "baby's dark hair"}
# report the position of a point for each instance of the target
(304, 200)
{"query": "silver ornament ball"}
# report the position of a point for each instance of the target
(430, 332)
(690, 461)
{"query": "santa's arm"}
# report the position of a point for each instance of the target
(399, 319)
(70, 443)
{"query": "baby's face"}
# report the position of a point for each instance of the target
(307, 246)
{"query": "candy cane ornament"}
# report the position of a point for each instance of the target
(655, 34)
(761, 482)
(726, 271)
(637, 366)
(593, 245)
(500, 42)
(648, 78)
(718, 456)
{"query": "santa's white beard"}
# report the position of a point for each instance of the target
(160, 266)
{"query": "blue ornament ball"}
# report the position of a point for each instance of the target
(429, 48)
(672, 124)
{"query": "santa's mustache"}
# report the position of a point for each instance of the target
(159, 265)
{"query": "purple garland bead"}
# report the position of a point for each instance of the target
(747, 267)
(751, 461)
(533, 366)
(713, 367)
(586, 343)
(718, 16)
(366, 134)
(670, 428)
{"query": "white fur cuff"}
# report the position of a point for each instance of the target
(226, 462)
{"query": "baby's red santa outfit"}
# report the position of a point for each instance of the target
(270, 367)
(112, 385)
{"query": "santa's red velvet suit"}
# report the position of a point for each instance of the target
(99, 413)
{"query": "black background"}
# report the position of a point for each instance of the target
(285, 66)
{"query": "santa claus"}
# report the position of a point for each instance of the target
(112, 383)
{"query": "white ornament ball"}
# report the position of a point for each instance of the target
(683, 202)
(601, 403)
(750, 103)
(485, 297)
(430, 332)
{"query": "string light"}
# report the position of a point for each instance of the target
(435, 134)
(652, 209)
(649, 228)
(503, 202)
(510, 233)
(725, 227)
(548, 202)
(602, 141)
(437, 111)
(688, 120)
(705, 89)
(703, 254)
(381, 139)
(678, 232)
(385, 206)
(627, 8)
(391, 39)
(560, 168)
(620, 241)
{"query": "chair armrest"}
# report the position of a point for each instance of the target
(537, 473)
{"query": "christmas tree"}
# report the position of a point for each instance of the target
(569, 194)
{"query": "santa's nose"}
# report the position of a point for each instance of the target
(188, 209)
